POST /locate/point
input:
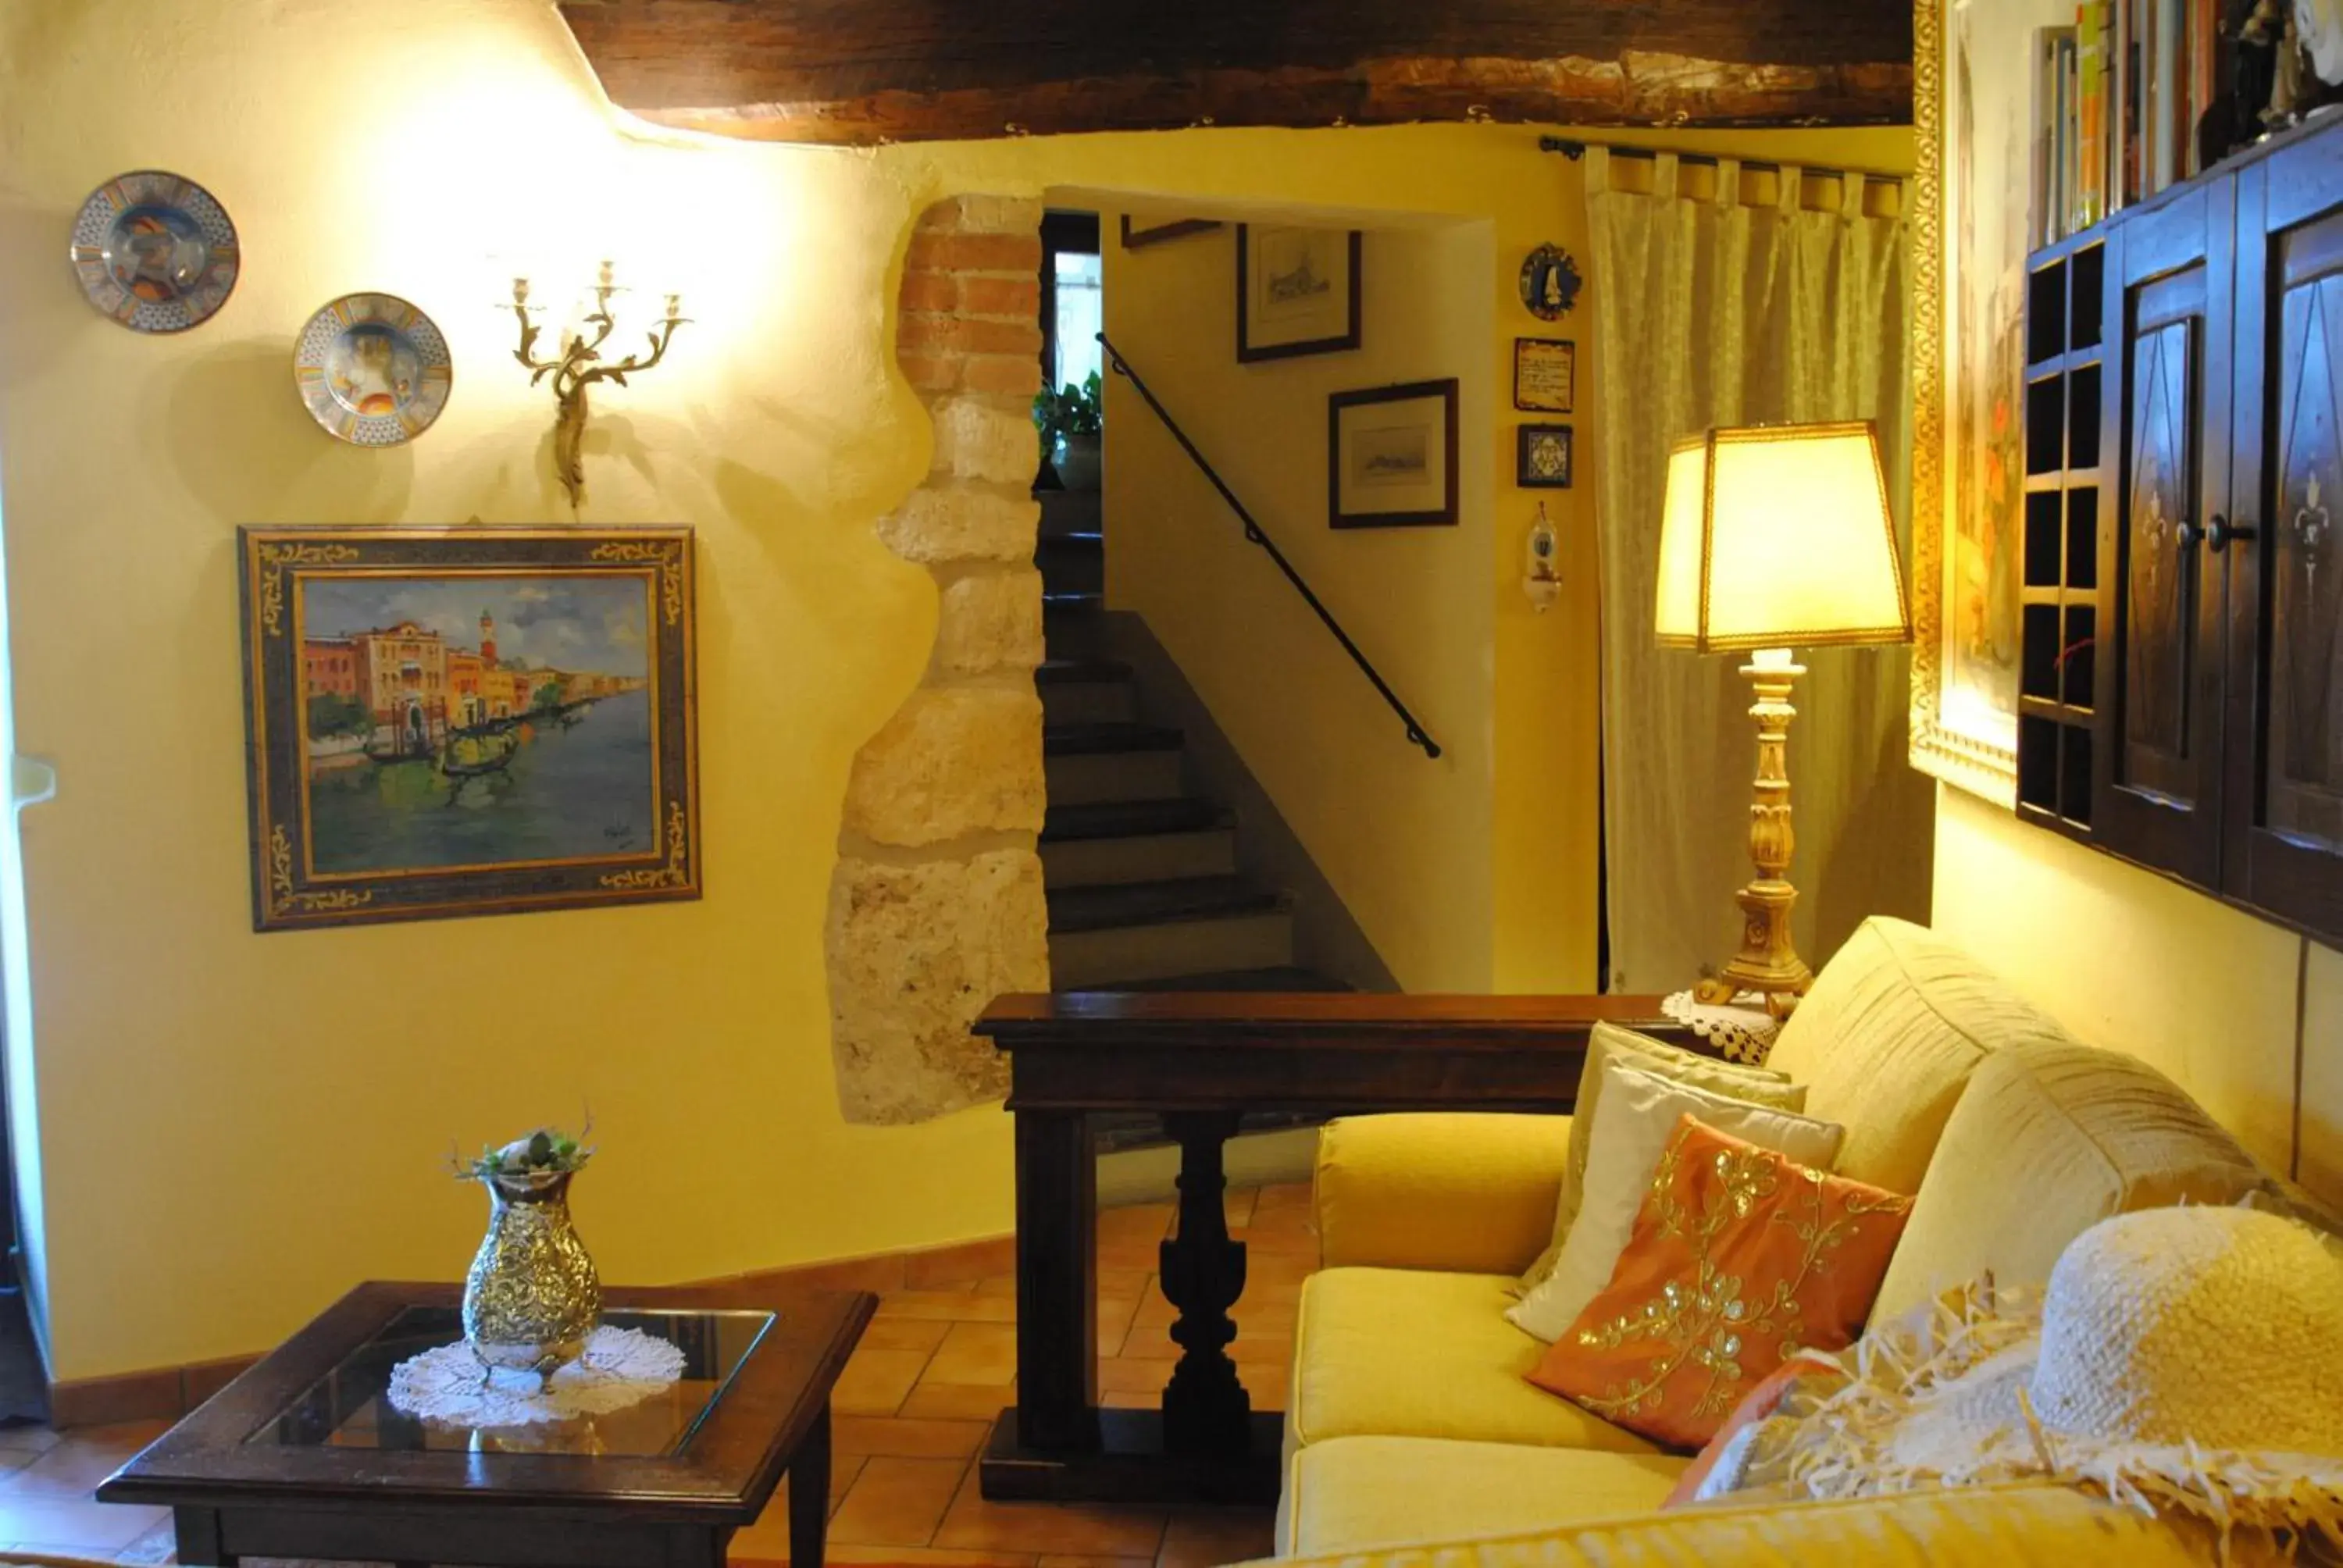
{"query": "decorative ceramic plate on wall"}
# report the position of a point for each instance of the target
(155, 251)
(372, 369)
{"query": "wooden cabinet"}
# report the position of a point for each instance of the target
(2207, 625)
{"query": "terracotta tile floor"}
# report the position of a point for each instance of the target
(912, 1412)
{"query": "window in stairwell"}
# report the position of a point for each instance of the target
(1081, 315)
(1072, 315)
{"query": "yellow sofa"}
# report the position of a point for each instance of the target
(1408, 1422)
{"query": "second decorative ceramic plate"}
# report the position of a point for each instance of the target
(155, 251)
(372, 369)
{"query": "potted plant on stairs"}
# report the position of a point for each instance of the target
(1072, 425)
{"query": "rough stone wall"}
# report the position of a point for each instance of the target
(935, 906)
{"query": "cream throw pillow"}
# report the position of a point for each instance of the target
(1640, 1111)
(1609, 1042)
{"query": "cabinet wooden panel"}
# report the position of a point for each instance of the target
(2161, 692)
(2213, 731)
(2284, 782)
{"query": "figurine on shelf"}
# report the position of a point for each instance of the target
(2249, 32)
(2253, 72)
(2291, 90)
(2320, 25)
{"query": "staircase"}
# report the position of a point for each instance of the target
(1145, 884)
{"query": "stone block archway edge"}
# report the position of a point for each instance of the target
(936, 905)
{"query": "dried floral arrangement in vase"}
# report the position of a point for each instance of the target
(532, 1295)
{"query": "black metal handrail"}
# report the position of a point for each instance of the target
(1254, 534)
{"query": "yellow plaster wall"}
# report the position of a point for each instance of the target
(233, 1128)
(1403, 838)
(237, 1127)
(2246, 1016)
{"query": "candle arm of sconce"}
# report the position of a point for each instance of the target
(658, 338)
(526, 353)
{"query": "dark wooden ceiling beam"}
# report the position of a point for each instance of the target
(859, 71)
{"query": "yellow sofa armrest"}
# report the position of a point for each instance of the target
(2021, 1525)
(1469, 1193)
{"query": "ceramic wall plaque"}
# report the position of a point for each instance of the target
(155, 251)
(372, 369)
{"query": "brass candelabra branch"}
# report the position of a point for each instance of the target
(579, 364)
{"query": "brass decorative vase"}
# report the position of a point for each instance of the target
(532, 1296)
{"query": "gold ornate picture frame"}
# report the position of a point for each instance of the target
(447, 722)
(1968, 272)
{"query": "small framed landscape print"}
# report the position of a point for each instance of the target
(468, 720)
(1391, 455)
(1542, 459)
(1297, 292)
(1545, 371)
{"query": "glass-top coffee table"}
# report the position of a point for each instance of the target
(305, 1455)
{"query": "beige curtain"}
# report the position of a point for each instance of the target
(1711, 308)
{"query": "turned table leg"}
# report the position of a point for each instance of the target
(1057, 1281)
(1205, 1408)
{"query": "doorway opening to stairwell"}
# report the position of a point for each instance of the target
(1167, 866)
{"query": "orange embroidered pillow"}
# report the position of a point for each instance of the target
(1740, 1257)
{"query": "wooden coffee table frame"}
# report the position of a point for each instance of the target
(232, 1499)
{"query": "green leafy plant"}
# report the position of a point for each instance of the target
(1075, 411)
(549, 1150)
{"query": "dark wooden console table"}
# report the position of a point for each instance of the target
(1198, 1061)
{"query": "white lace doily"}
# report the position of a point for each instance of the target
(450, 1383)
(1743, 1033)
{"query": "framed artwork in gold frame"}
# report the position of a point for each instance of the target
(1971, 230)
(447, 721)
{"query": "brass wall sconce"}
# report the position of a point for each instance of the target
(579, 364)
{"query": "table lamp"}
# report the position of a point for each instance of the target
(1773, 536)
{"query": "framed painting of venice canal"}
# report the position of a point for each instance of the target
(468, 720)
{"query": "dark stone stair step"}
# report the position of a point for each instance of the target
(1081, 672)
(1117, 905)
(1131, 819)
(1250, 980)
(1066, 512)
(1075, 564)
(1096, 740)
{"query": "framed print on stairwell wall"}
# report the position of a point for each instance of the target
(1298, 292)
(1390, 457)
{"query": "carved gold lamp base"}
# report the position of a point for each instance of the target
(1768, 962)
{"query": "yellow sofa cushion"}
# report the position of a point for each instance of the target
(2048, 1141)
(1359, 1493)
(2020, 1525)
(1896, 1023)
(1405, 1352)
(1469, 1191)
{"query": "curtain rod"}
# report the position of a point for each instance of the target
(1574, 149)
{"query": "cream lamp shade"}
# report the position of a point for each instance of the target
(1779, 536)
